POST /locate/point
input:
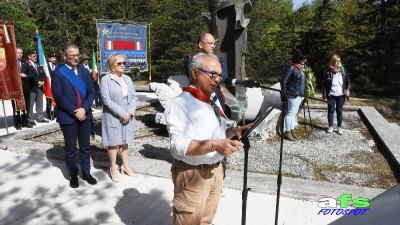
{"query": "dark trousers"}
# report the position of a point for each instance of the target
(18, 116)
(27, 98)
(335, 102)
(77, 131)
(97, 99)
(49, 109)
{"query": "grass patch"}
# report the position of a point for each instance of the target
(383, 175)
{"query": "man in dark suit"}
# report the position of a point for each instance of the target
(35, 75)
(52, 61)
(21, 116)
(73, 91)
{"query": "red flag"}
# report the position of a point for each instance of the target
(10, 80)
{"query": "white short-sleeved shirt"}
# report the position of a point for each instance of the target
(191, 119)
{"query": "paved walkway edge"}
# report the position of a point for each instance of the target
(386, 133)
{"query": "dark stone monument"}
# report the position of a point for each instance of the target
(226, 21)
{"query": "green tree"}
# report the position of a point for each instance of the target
(375, 55)
(320, 41)
(24, 24)
(175, 26)
(269, 39)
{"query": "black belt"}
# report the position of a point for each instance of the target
(201, 166)
(210, 166)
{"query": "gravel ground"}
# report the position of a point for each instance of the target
(351, 158)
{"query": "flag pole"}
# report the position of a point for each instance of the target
(149, 52)
(5, 116)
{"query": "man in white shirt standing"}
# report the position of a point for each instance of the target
(199, 139)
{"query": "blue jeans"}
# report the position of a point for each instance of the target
(293, 108)
(339, 102)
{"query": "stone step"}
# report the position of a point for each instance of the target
(386, 133)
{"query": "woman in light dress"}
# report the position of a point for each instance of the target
(119, 105)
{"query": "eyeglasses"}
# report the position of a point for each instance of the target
(74, 56)
(209, 43)
(120, 63)
(211, 74)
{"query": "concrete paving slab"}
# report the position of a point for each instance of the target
(34, 190)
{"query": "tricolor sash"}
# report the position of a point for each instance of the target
(74, 79)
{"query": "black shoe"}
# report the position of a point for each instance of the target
(18, 127)
(32, 123)
(88, 178)
(73, 182)
(27, 125)
(42, 121)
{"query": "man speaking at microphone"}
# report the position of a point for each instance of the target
(199, 139)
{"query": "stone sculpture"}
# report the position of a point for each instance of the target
(226, 21)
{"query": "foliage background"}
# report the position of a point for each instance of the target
(366, 33)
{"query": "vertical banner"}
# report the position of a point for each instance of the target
(10, 81)
(95, 74)
(43, 64)
(126, 37)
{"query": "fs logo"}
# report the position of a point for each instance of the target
(340, 206)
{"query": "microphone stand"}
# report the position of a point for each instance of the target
(245, 190)
(304, 106)
(279, 178)
(246, 142)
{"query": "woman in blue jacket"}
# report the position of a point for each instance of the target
(293, 82)
(337, 89)
(119, 106)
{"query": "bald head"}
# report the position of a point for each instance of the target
(206, 43)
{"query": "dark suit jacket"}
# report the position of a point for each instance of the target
(65, 95)
(49, 68)
(34, 75)
(26, 82)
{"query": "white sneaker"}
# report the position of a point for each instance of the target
(330, 130)
(340, 130)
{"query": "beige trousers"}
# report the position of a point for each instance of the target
(196, 192)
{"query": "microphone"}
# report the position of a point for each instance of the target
(243, 83)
